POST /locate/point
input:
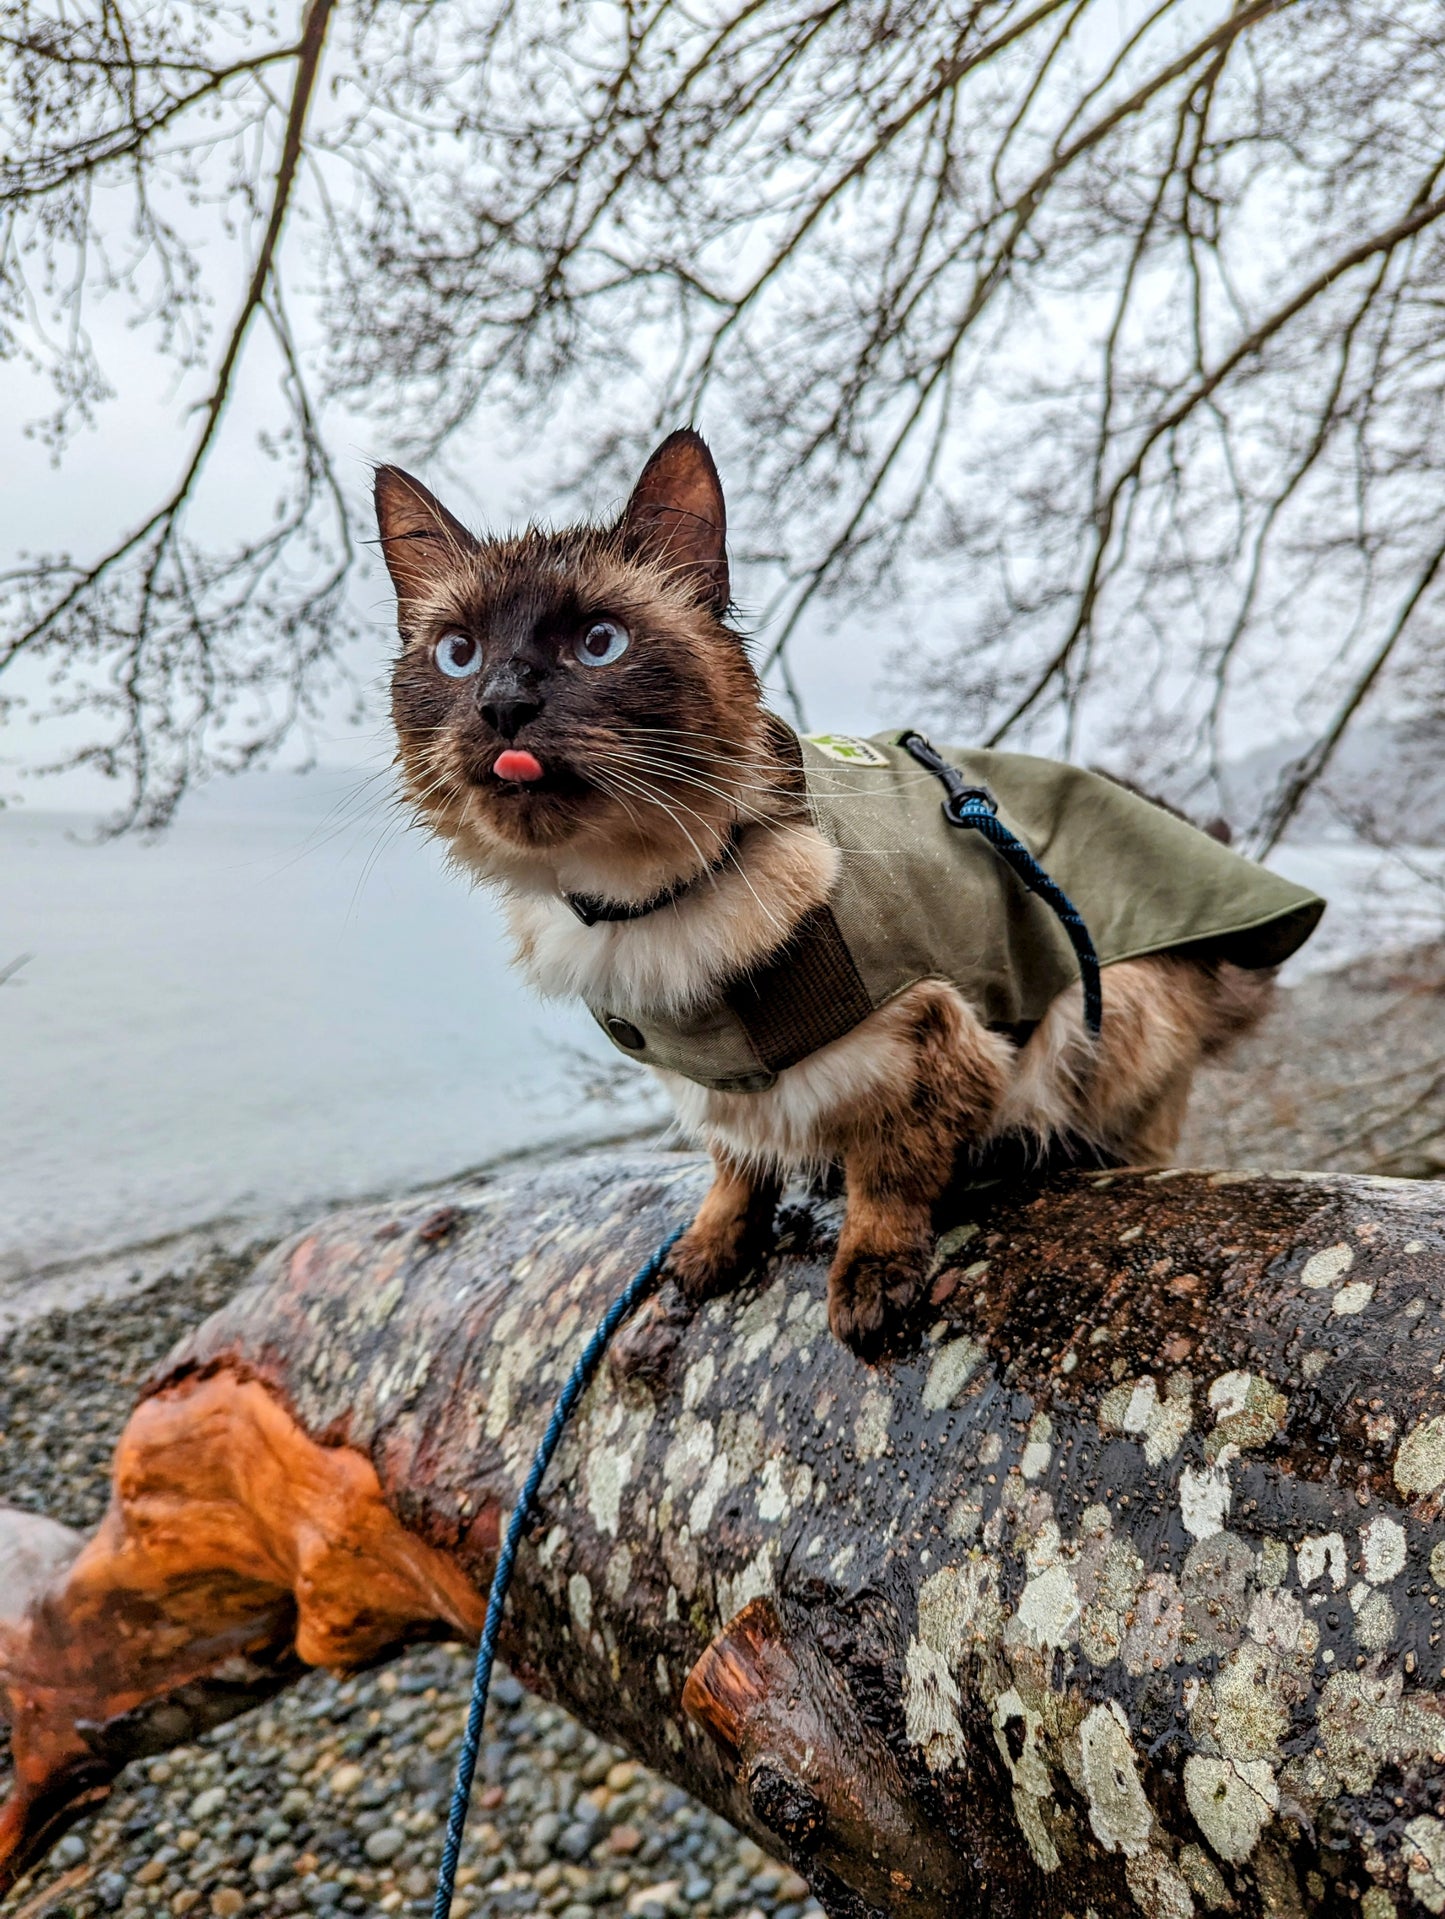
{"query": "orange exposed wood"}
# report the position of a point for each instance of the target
(814, 1772)
(742, 1668)
(231, 1535)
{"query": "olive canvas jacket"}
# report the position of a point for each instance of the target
(917, 898)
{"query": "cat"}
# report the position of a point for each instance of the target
(580, 724)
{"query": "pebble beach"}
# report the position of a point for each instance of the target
(332, 1798)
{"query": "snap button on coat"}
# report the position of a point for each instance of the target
(625, 1033)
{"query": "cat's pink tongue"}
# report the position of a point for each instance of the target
(514, 764)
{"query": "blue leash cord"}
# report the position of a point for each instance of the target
(636, 1289)
(970, 806)
(975, 806)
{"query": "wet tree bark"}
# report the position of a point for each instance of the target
(1120, 1592)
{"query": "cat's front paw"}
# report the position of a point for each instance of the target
(870, 1297)
(705, 1263)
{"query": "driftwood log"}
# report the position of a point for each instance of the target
(1121, 1593)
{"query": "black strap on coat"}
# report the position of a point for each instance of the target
(976, 807)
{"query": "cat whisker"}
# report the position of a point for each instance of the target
(682, 748)
(441, 779)
(713, 878)
(684, 735)
(708, 874)
(636, 764)
(682, 777)
(851, 845)
(407, 809)
(617, 795)
(642, 792)
(835, 782)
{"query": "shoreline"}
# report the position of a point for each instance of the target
(74, 1281)
(1347, 1073)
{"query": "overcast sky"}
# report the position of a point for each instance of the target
(112, 475)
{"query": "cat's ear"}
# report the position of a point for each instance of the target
(420, 540)
(676, 515)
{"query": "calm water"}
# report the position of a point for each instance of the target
(280, 1004)
(275, 1004)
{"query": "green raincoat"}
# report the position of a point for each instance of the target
(919, 899)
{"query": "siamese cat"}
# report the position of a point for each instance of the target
(579, 722)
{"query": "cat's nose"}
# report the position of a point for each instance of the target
(509, 716)
(509, 699)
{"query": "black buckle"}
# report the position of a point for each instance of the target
(960, 794)
(924, 751)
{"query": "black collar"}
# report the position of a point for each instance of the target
(590, 907)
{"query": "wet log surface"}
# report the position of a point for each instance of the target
(1121, 1592)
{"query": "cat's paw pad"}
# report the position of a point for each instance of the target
(870, 1298)
(704, 1266)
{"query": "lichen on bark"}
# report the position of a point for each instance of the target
(1120, 1590)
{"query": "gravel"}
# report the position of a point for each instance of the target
(1347, 1076)
(332, 1798)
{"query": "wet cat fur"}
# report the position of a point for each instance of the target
(648, 763)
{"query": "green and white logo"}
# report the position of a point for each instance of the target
(847, 749)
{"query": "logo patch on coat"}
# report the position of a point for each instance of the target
(844, 747)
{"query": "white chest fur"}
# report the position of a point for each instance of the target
(679, 957)
(795, 1123)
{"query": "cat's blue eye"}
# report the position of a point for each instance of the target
(458, 656)
(602, 643)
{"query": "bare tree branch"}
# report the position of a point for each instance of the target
(1307, 771)
(1384, 242)
(308, 61)
(1059, 348)
(152, 593)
